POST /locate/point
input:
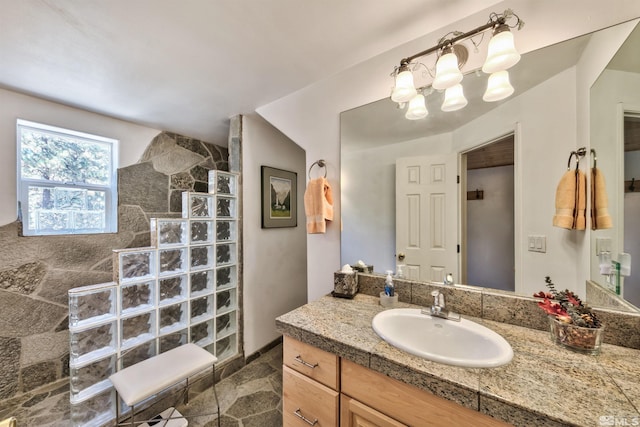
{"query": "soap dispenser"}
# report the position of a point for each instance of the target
(388, 297)
(388, 285)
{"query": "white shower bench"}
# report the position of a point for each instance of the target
(138, 382)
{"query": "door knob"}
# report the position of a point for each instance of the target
(401, 256)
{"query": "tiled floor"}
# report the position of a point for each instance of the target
(251, 397)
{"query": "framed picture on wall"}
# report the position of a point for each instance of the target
(279, 198)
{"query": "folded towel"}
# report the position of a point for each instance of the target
(571, 200)
(565, 201)
(318, 205)
(600, 218)
(580, 217)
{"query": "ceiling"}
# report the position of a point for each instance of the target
(187, 66)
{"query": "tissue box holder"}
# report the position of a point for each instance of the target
(345, 285)
(366, 269)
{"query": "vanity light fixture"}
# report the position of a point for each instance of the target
(404, 89)
(448, 72)
(498, 87)
(452, 56)
(501, 53)
(454, 99)
(417, 108)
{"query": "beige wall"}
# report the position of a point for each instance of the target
(274, 260)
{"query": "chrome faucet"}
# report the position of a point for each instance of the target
(448, 279)
(438, 308)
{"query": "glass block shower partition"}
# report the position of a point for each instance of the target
(183, 288)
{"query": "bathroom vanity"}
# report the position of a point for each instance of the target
(338, 371)
(321, 387)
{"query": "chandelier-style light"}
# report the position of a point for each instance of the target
(498, 87)
(404, 89)
(448, 72)
(454, 99)
(417, 108)
(501, 55)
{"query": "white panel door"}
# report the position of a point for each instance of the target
(427, 216)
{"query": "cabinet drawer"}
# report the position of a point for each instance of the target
(311, 361)
(303, 397)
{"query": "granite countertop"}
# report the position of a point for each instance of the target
(544, 385)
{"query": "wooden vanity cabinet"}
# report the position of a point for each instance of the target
(405, 403)
(357, 414)
(307, 402)
(321, 389)
(310, 385)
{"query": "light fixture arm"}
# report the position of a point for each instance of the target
(495, 21)
(452, 56)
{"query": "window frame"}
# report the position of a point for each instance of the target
(111, 190)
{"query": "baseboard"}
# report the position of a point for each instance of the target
(253, 356)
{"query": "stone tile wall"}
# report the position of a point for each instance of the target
(37, 272)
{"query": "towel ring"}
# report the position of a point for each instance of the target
(595, 158)
(580, 152)
(573, 153)
(321, 163)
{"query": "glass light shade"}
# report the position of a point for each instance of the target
(404, 89)
(447, 72)
(501, 53)
(454, 99)
(417, 108)
(498, 87)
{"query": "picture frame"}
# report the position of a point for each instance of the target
(279, 198)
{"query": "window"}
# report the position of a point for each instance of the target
(66, 181)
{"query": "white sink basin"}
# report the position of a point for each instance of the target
(464, 343)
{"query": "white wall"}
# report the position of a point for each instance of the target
(275, 259)
(133, 138)
(310, 116)
(369, 194)
(490, 224)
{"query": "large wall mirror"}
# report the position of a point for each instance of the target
(509, 156)
(615, 135)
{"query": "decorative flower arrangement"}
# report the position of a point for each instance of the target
(572, 323)
(566, 307)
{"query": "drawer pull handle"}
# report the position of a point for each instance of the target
(307, 364)
(298, 414)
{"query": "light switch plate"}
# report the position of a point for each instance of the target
(603, 244)
(537, 243)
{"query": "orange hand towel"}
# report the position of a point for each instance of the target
(318, 205)
(600, 218)
(565, 201)
(580, 217)
(571, 200)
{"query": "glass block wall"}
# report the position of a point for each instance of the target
(183, 288)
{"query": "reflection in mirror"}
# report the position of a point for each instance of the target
(631, 190)
(615, 135)
(375, 135)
